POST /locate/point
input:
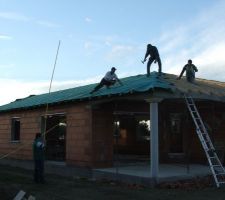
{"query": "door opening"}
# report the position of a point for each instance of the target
(131, 137)
(55, 136)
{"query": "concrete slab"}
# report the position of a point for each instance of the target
(138, 172)
(141, 173)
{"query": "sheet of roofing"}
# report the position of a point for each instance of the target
(132, 84)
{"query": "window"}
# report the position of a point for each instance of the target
(15, 129)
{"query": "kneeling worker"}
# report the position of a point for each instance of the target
(109, 79)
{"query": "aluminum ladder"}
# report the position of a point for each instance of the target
(216, 167)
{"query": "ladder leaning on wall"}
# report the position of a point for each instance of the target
(216, 167)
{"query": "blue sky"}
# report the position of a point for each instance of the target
(98, 34)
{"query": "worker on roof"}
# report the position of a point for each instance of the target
(152, 51)
(190, 71)
(109, 79)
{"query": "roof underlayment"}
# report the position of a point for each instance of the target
(139, 84)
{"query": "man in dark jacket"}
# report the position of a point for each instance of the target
(190, 71)
(152, 51)
(38, 155)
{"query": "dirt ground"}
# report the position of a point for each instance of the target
(12, 180)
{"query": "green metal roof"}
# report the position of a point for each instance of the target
(202, 89)
(132, 84)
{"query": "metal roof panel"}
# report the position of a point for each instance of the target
(132, 84)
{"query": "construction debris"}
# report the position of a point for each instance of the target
(21, 196)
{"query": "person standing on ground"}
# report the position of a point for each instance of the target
(38, 156)
(152, 51)
(109, 79)
(190, 71)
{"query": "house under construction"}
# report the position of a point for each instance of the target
(144, 121)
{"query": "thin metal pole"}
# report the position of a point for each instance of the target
(50, 86)
(54, 67)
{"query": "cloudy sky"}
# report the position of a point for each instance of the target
(98, 34)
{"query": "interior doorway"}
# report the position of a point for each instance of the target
(131, 137)
(55, 136)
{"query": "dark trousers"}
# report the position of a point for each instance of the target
(102, 83)
(190, 77)
(150, 61)
(39, 171)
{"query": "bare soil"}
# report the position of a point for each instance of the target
(12, 180)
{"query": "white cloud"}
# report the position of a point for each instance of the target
(107, 43)
(6, 66)
(201, 40)
(211, 62)
(120, 51)
(88, 19)
(87, 45)
(172, 39)
(48, 24)
(13, 16)
(110, 39)
(15, 89)
(20, 17)
(70, 36)
(61, 85)
(5, 37)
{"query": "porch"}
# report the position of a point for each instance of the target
(133, 173)
(139, 173)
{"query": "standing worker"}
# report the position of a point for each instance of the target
(190, 71)
(38, 155)
(152, 51)
(109, 79)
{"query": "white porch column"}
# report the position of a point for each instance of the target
(154, 143)
(154, 146)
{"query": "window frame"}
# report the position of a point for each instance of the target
(15, 129)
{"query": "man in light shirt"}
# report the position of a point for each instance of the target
(109, 79)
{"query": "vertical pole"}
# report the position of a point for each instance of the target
(49, 91)
(154, 141)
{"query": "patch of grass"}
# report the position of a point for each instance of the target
(12, 180)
